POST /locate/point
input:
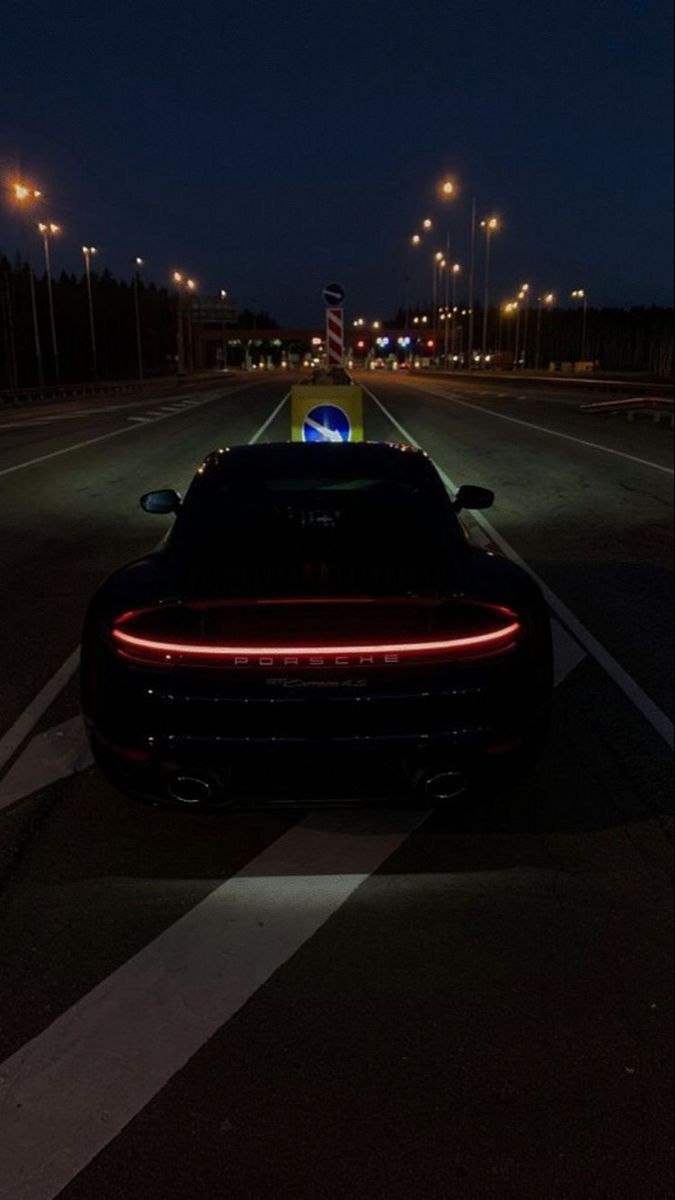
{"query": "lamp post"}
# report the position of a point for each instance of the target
(580, 294)
(88, 251)
(25, 196)
(184, 286)
(546, 300)
(223, 298)
(447, 190)
(508, 309)
(490, 224)
(472, 269)
(48, 229)
(456, 268)
(137, 263)
(524, 294)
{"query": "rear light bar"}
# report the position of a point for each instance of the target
(339, 655)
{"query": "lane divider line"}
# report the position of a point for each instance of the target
(22, 727)
(14, 737)
(658, 719)
(491, 412)
(54, 754)
(71, 1090)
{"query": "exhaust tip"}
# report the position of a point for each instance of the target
(445, 785)
(189, 789)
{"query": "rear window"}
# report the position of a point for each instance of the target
(315, 535)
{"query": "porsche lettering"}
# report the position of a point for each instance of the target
(315, 660)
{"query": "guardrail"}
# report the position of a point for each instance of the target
(53, 392)
(557, 380)
(658, 406)
(18, 396)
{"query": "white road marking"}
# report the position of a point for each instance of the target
(52, 755)
(659, 720)
(567, 437)
(567, 654)
(139, 420)
(268, 422)
(128, 428)
(67, 1093)
(19, 731)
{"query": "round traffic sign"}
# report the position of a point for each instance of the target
(326, 423)
(333, 294)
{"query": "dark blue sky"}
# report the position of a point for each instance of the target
(270, 147)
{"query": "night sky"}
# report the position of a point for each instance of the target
(269, 148)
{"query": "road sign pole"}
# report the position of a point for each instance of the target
(334, 337)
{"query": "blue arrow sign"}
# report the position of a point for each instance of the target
(326, 423)
(333, 295)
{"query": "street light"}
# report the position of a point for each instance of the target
(25, 195)
(580, 294)
(490, 225)
(223, 297)
(524, 294)
(88, 251)
(455, 271)
(427, 223)
(137, 263)
(48, 229)
(546, 300)
(184, 286)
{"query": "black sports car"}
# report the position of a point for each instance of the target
(315, 619)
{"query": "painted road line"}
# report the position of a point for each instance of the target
(55, 754)
(567, 656)
(19, 731)
(659, 720)
(67, 1093)
(567, 437)
(269, 420)
(128, 428)
(139, 420)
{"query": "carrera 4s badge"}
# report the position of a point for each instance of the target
(281, 681)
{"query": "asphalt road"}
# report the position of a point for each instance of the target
(469, 1003)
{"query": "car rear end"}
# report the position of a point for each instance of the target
(315, 614)
(199, 694)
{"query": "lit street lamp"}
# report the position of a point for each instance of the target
(25, 196)
(490, 225)
(184, 286)
(456, 268)
(524, 294)
(137, 263)
(87, 252)
(48, 229)
(223, 298)
(580, 294)
(546, 300)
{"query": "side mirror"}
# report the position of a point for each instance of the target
(472, 497)
(166, 501)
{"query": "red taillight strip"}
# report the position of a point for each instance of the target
(476, 640)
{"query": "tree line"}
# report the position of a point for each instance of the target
(115, 327)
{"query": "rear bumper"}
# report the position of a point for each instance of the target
(146, 728)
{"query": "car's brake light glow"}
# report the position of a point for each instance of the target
(493, 639)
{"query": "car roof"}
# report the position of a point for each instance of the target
(390, 460)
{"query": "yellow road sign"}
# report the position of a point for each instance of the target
(326, 413)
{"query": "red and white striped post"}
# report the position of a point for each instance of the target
(334, 337)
